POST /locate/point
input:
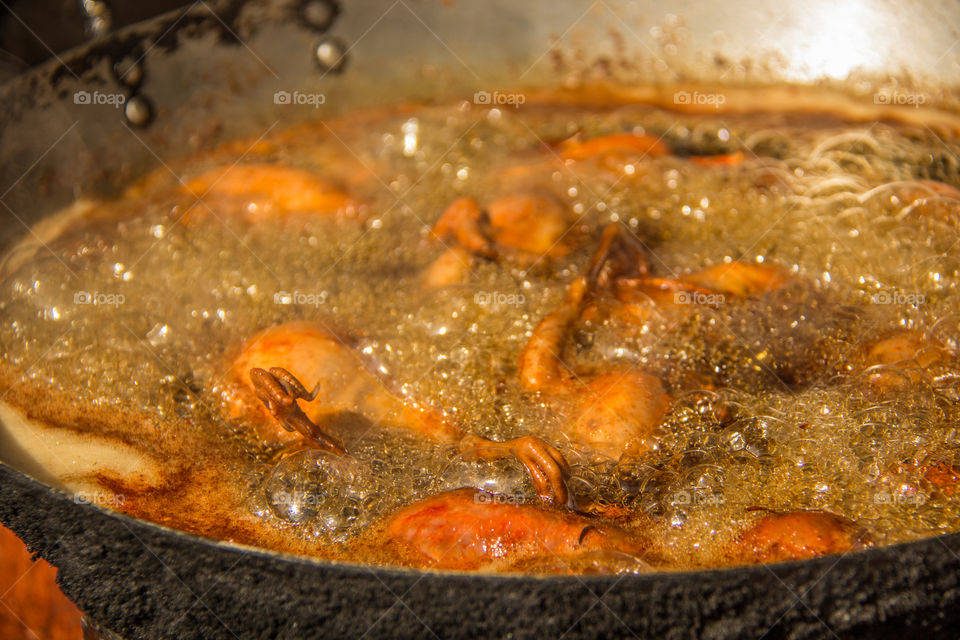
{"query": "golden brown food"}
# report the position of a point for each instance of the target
(943, 476)
(522, 228)
(609, 413)
(567, 339)
(615, 144)
(798, 535)
(469, 530)
(273, 364)
(902, 359)
(262, 191)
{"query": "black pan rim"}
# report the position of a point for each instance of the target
(866, 555)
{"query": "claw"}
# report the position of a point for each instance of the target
(547, 467)
(462, 221)
(279, 390)
(520, 226)
(291, 385)
(607, 412)
(619, 255)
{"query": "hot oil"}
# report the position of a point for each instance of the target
(144, 305)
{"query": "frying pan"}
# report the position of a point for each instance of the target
(209, 73)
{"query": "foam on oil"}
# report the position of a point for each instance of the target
(141, 303)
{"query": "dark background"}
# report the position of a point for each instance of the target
(32, 31)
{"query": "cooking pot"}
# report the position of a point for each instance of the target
(220, 69)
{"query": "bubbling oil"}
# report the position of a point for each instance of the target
(141, 301)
